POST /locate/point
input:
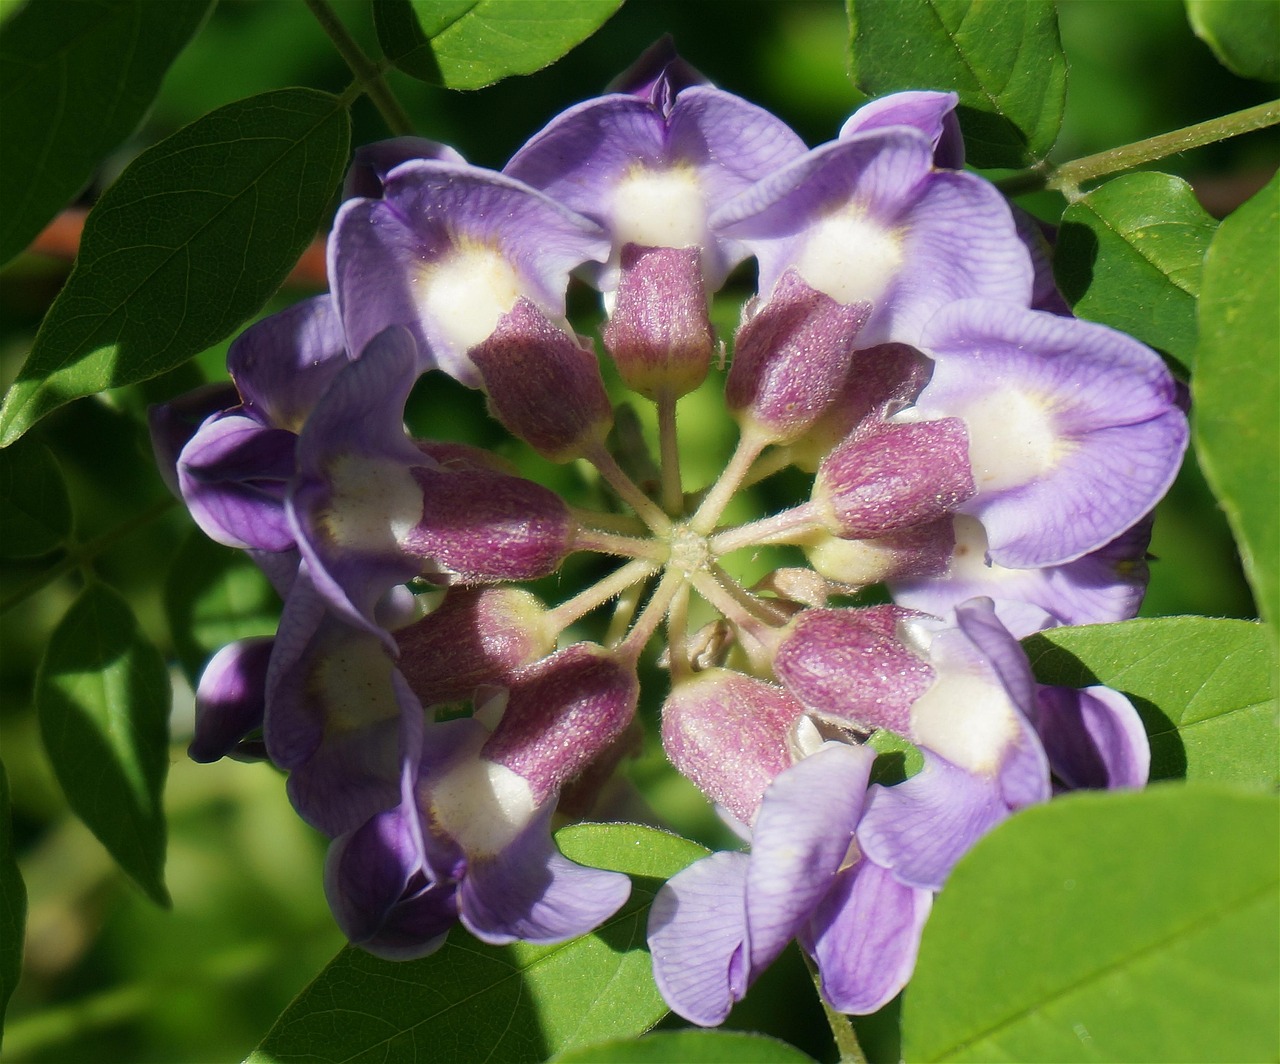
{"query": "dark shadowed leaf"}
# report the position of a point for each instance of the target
(1205, 689)
(75, 79)
(1236, 390)
(468, 44)
(469, 1001)
(682, 1047)
(1129, 255)
(13, 905)
(35, 513)
(1003, 57)
(213, 596)
(190, 241)
(1244, 34)
(102, 698)
(1075, 918)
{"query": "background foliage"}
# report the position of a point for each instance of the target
(1101, 927)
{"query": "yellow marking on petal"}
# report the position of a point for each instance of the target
(374, 504)
(850, 257)
(966, 718)
(659, 208)
(467, 291)
(1013, 439)
(352, 682)
(482, 805)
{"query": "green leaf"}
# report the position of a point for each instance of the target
(1244, 34)
(13, 905)
(681, 1047)
(102, 699)
(1002, 56)
(1129, 255)
(470, 1001)
(192, 239)
(215, 595)
(1107, 927)
(1205, 689)
(35, 512)
(75, 79)
(1236, 390)
(468, 44)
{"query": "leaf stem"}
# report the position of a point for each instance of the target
(841, 1026)
(367, 72)
(84, 554)
(1068, 177)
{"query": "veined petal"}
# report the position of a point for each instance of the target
(933, 113)
(1094, 738)
(864, 937)
(696, 928)
(800, 838)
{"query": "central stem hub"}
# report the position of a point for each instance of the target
(690, 552)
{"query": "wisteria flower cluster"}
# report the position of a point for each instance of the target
(987, 458)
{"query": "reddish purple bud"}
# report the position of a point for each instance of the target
(454, 457)
(852, 665)
(881, 381)
(659, 333)
(730, 734)
(922, 550)
(791, 358)
(475, 636)
(561, 713)
(890, 477)
(487, 527)
(542, 385)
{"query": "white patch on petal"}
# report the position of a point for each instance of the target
(483, 805)
(375, 504)
(850, 257)
(659, 208)
(966, 718)
(466, 292)
(352, 681)
(1012, 439)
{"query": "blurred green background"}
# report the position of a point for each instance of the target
(109, 977)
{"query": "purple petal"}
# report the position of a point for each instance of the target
(864, 937)
(920, 828)
(529, 891)
(231, 698)
(1094, 738)
(697, 924)
(283, 363)
(933, 113)
(368, 870)
(172, 424)
(800, 838)
(372, 162)
(1074, 429)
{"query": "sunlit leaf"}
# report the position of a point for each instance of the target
(1130, 254)
(468, 44)
(1107, 927)
(35, 513)
(1003, 57)
(102, 698)
(1244, 34)
(213, 596)
(190, 241)
(1205, 688)
(75, 79)
(1236, 390)
(469, 1001)
(13, 905)
(682, 1047)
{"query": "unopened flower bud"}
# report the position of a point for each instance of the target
(853, 665)
(488, 527)
(731, 735)
(475, 637)
(659, 333)
(231, 698)
(542, 385)
(561, 713)
(892, 477)
(791, 359)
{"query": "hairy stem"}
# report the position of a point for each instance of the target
(672, 487)
(646, 509)
(599, 593)
(841, 1026)
(715, 501)
(367, 72)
